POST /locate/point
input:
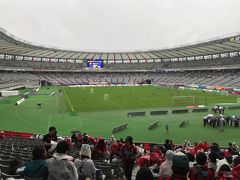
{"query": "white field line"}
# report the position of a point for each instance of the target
(68, 99)
(81, 123)
(25, 121)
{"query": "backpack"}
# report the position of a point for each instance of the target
(200, 173)
(81, 167)
(82, 175)
(58, 170)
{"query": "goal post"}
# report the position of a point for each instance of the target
(184, 101)
(106, 97)
(91, 90)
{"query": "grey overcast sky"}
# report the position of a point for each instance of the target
(119, 25)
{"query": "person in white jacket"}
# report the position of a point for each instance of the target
(61, 166)
(85, 165)
(166, 166)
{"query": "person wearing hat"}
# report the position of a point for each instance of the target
(166, 166)
(223, 168)
(85, 166)
(180, 166)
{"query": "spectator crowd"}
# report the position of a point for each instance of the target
(75, 158)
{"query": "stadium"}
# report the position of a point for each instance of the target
(151, 95)
(210, 66)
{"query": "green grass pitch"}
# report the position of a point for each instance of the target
(81, 109)
(91, 99)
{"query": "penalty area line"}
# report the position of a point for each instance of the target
(116, 104)
(68, 99)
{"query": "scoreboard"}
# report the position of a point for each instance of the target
(95, 63)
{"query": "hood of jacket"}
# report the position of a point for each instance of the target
(60, 156)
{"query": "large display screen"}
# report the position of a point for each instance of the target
(95, 63)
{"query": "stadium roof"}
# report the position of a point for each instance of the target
(11, 45)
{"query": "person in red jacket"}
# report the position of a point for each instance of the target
(146, 147)
(201, 146)
(100, 150)
(196, 147)
(154, 157)
(200, 170)
(236, 168)
(128, 157)
(205, 146)
(2, 135)
(115, 150)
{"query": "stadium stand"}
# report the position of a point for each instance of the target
(224, 78)
(194, 65)
(19, 149)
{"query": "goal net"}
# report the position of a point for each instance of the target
(183, 100)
